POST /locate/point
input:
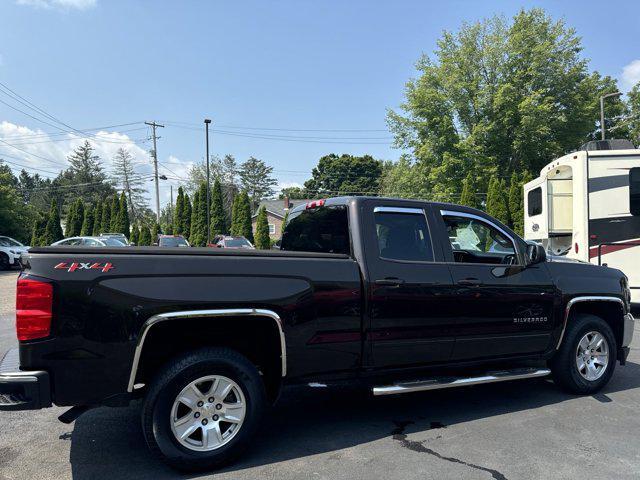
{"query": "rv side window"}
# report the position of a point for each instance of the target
(634, 191)
(534, 199)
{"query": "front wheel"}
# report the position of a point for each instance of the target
(203, 409)
(587, 357)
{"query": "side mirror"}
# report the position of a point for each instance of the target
(535, 254)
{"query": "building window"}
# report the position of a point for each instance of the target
(534, 200)
(634, 191)
(272, 229)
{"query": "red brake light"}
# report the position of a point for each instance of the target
(315, 204)
(34, 300)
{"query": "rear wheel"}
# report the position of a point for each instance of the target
(586, 359)
(203, 409)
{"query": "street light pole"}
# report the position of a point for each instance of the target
(615, 94)
(206, 123)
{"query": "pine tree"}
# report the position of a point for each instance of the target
(497, 200)
(145, 236)
(37, 233)
(115, 209)
(194, 219)
(105, 221)
(131, 182)
(122, 219)
(218, 215)
(186, 225)
(70, 220)
(168, 229)
(178, 217)
(135, 235)
(516, 220)
(87, 222)
(78, 218)
(53, 230)
(468, 196)
(97, 217)
(263, 241)
(241, 217)
(235, 216)
(155, 232)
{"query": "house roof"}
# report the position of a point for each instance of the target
(276, 207)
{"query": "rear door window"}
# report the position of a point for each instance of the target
(403, 234)
(534, 201)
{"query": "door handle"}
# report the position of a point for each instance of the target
(471, 282)
(390, 282)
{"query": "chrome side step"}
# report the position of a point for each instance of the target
(450, 382)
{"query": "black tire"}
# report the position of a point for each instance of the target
(4, 261)
(168, 383)
(563, 365)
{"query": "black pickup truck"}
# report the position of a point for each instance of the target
(394, 295)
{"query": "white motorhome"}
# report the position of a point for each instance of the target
(586, 205)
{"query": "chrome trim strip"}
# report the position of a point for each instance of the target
(418, 211)
(228, 312)
(575, 300)
(436, 384)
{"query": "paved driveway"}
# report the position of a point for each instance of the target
(517, 430)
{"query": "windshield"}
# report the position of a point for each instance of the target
(112, 242)
(237, 243)
(173, 242)
(9, 242)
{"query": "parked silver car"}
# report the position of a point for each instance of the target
(89, 242)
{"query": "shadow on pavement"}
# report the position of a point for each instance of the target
(108, 443)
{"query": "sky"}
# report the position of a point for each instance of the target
(284, 81)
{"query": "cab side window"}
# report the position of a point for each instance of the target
(634, 191)
(476, 241)
(403, 235)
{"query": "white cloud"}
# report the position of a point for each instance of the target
(630, 74)
(61, 4)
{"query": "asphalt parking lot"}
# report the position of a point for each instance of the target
(516, 430)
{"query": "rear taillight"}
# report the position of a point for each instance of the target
(34, 300)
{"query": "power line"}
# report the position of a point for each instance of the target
(65, 132)
(281, 129)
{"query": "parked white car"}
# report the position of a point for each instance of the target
(10, 251)
(88, 242)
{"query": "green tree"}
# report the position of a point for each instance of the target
(75, 219)
(516, 204)
(218, 215)
(495, 98)
(241, 220)
(344, 175)
(115, 210)
(135, 234)
(97, 218)
(497, 200)
(256, 180)
(178, 217)
(14, 215)
(293, 193)
(468, 196)
(263, 241)
(86, 175)
(37, 232)
(194, 227)
(53, 230)
(186, 225)
(130, 182)
(122, 219)
(88, 220)
(105, 220)
(145, 236)
(155, 232)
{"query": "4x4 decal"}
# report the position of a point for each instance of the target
(73, 266)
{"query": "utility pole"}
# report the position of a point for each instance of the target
(155, 166)
(615, 94)
(206, 125)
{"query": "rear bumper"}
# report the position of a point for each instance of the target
(22, 390)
